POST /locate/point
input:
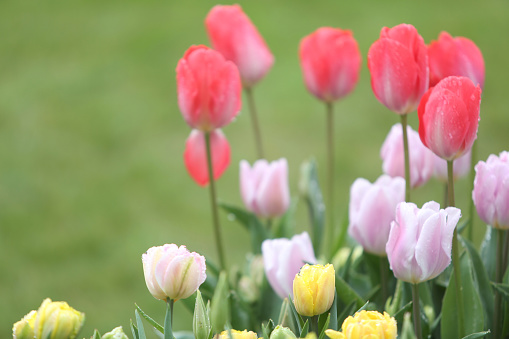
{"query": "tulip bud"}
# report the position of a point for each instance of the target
(173, 272)
(248, 290)
(313, 289)
(57, 320)
(237, 335)
(116, 333)
(366, 324)
(24, 329)
(281, 332)
(220, 305)
(201, 319)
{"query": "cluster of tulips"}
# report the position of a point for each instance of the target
(396, 263)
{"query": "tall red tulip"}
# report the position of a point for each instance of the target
(398, 63)
(330, 60)
(195, 155)
(233, 34)
(449, 117)
(208, 87)
(455, 56)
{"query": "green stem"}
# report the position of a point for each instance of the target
(456, 255)
(213, 202)
(407, 157)
(314, 324)
(171, 302)
(330, 175)
(446, 195)
(473, 161)
(498, 279)
(254, 122)
(416, 311)
(269, 224)
(506, 250)
(383, 278)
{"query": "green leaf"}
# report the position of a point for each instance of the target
(340, 238)
(333, 314)
(183, 335)
(347, 294)
(257, 231)
(363, 307)
(134, 330)
(347, 311)
(476, 335)
(310, 191)
(96, 335)
(483, 282)
(141, 330)
(149, 319)
(472, 308)
(286, 226)
(489, 251)
(296, 317)
(403, 310)
(503, 289)
(407, 331)
(305, 329)
(267, 328)
(324, 327)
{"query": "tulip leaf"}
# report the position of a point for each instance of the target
(183, 335)
(347, 311)
(340, 238)
(489, 251)
(257, 231)
(483, 282)
(472, 306)
(134, 330)
(407, 331)
(310, 190)
(324, 327)
(149, 319)
(347, 294)
(96, 335)
(305, 329)
(265, 330)
(363, 307)
(333, 314)
(283, 313)
(296, 317)
(476, 335)
(403, 310)
(503, 289)
(286, 226)
(220, 307)
(141, 330)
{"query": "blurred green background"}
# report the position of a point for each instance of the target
(91, 138)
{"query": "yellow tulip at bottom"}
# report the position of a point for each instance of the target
(366, 325)
(313, 289)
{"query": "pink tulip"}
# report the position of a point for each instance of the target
(398, 63)
(455, 56)
(264, 187)
(371, 211)
(449, 117)
(330, 60)
(420, 241)
(283, 259)
(208, 87)
(234, 35)
(195, 155)
(173, 272)
(491, 190)
(460, 168)
(421, 158)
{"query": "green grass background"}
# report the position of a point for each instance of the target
(91, 138)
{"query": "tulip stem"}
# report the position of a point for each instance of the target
(314, 324)
(254, 122)
(407, 157)
(499, 273)
(330, 176)
(456, 255)
(417, 311)
(213, 202)
(383, 278)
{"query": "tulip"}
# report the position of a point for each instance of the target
(366, 324)
(195, 156)
(116, 333)
(234, 35)
(264, 187)
(209, 89)
(420, 241)
(313, 289)
(201, 318)
(421, 158)
(283, 259)
(172, 272)
(24, 329)
(56, 319)
(449, 117)
(330, 60)
(237, 335)
(398, 63)
(281, 332)
(455, 56)
(461, 167)
(491, 190)
(371, 211)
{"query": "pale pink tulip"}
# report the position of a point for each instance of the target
(330, 60)
(283, 259)
(491, 190)
(420, 241)
(371, 211)
(173, 272)
(461, 166)
(195, 155)
(208, 87)
(398, 63)
(421, 158)
(233, 34)
(264, 187)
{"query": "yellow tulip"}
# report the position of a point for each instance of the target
(237, 335)
(57, 320)
(313, 289)
(366, 324)
(24, 328)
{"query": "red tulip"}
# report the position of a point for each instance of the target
(398, 63)
(455, 56)
(209, 88)
(449, 117)
(330, 61)
(234, 35)
(195, 155)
